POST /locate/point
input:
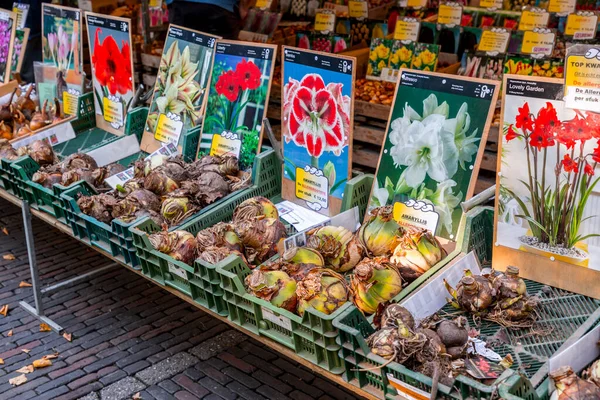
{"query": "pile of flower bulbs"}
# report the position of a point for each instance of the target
(253, 235)
(500, 297)
(377, 261)
(167, 190)
(571, 387)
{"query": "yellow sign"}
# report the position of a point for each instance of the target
(222, 146)
(561, 6)
(70, 102)
(113, 111)
(533, 19)
(358, 9)
(155, 3)
(581, 27)
(494, 4)
(168, 130)
(416, 3)
(416, 213)
(263, 4)
(311, 188)
(494, 41)
(582, 80)
(538, 43)
(407, 30)
(324, 21)
(449, 15)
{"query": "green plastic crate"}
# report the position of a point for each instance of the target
(563, 311)
(85, 120)
(201, 281)
(48, 200)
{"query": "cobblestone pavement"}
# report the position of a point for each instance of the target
(129, 336)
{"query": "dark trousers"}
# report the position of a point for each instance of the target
(207, 18)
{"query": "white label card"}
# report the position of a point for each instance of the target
(278, 320)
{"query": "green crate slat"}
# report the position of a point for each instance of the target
(563, 311)
(201, 281)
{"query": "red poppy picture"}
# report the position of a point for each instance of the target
(112, 70)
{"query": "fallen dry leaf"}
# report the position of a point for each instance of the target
(9, 333)
(137, 396)
(9, 257)
(25, 351)
(41, 363)
(68, 336)
(25, 284)
(5, 230)
(45, 328)
(19, 380)
(4, 310)
(25, 370)
(50, 356)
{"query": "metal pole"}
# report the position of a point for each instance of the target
(37, 295)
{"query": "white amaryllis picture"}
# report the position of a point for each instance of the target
(429, 156)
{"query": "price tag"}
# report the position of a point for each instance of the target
(416, 213)
(70, 101)
(313, 187)
(21, 10)
(561, 6)
(113, 111)
(494, 40)
(416, 3)
(407, 30)
(449, 14)
(168, 128)
(278, 320)
(263, 4)
(155, 3)
(540, 43)
(491, 4)
(226, 143)
(358, 9)
(531, 19)
(581, 27)
(324, 21)
(582, 77)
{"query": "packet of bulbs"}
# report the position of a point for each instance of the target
(463, 329)
(23, 120)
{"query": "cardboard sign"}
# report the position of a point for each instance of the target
(21, 10)
(8, 23)
(533, 18)
(428, 108)
(358, 9)
(538, 42)
(449, 14)
(61, 52)
(494, 41)
(238, 96)
(407, 29)
(110, 45)
(324, 21)
(582, 77)
(318, 132)
(581, 25)
(179, 97)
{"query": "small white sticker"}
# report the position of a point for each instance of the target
(278, 320)
(180, 272)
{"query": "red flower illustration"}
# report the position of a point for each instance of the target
(248, 75)
(569, 164)
(112, 67)
(228, 85)
(593, 123)
(318, 116)
(596, 153)
(547, 120)
(588, 169)
(524, 120)
(540, 139)
(512, 133)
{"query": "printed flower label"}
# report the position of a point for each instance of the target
(417, 213)
(358, 9)
(582, 78)
(226, 143)
(449, 14)
(561, 6)
(533, 19)
(407, 30)
(70, 102)
(539, 43)
(313, 187)
(113, 112)
(491, 4)
(409, 392)
(169, 128)
(494, 41)
(324, 21)
(581, 27)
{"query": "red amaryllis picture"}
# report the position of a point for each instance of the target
(560, 150)
(112, 65)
